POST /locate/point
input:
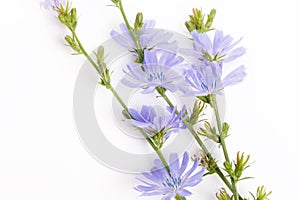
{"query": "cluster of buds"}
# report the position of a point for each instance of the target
(209, 132)
(198, 108)
(159, 138)
(223, 195)
(210, 164)
(197, 21)
(236, 169)
(68, 17)
(261, 194)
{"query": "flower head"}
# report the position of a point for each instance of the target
(207, 79)
(156, 71)
(221, 49)
(52, 4)
(161, 182)
(158, 127)
(149, 37)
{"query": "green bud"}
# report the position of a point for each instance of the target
(100, 55)
(73, 44)
(197, 22)
(138, 24)
(70, 40)
(228, 166)
(261, 194)
(62, 19)
(198, 108)
(212, 14)
(223, 195)
(73, 18)
(210, 19)
(241, 164)
(159, 138)
(102, 68)
(225, 128)
(209, 132)
(190, 26)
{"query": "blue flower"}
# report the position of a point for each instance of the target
(149, 38)
(161, 182)
(51, 4)
(159, 127)
(221, 49)
(207, 79)
(155, 72)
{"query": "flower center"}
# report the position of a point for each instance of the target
(173, 182)
(156, 77)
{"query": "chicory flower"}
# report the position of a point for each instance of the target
(170, 184)
(207, 79)
(221, 49)
(148, 37)
(157, 127)
(156, 71)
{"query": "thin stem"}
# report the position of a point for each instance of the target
(222, 141)
(135, 40)
(199, 141)
(157, 150)
(114, 92)
(85, 53)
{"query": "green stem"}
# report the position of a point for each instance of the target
(222, 141)
(114, 92)
(135, 40)
(157, 150)
(199, 141)
(85, 53)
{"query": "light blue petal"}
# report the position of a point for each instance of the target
(184, 164)
(203, 40)
(174, 164)
(150, 58)
(184, 193)
(235, 77)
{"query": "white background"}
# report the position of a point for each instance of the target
(41, 156)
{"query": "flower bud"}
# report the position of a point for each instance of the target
(225, 128)
(138, 24)
(73, 18)
(62, 19)
(70, 40)
(100, 53)
(199, 106)
(223, 195)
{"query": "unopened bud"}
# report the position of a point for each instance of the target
(74, 18)
(100, 53)
(138, 24)
(70, 40)
(223, 195)
(62, 19)
(212, 13)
